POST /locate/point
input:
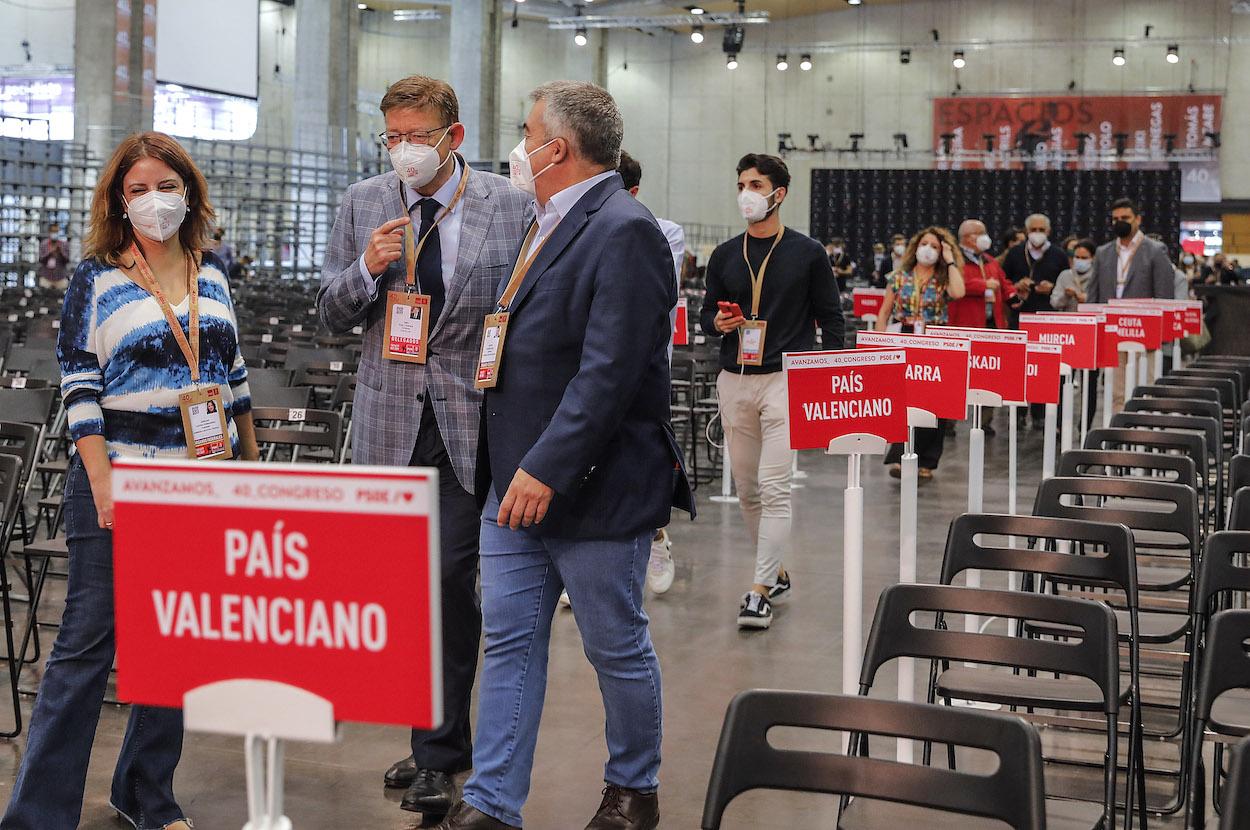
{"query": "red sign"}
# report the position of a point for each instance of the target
(681, 324)
(868, 301)
(1194, 245)
(1108, 344)
(1134, 324)
(1050, 124)
(1076, 333)
(262, 572)
(1043, 384)
(937, 370)
(1193, 317)
(1181, 318)
(840, 393)
(998, 360)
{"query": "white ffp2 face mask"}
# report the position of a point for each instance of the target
(520, 171)
(984, 242)
(418, 164)
(156, 215)
(754, 206)
(926, 255)
(900, 249)
(1037, 239)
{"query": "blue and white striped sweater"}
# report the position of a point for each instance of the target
(122, 370)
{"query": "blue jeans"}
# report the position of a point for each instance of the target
(49, 789)
(522, 576)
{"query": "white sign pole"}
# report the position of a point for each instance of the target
(726, 473)
(796, 475)
(977, 398)
(1176, 354)
(1086, 398)
(907, 523)
(1048, 440)
(1108, 395)
(1065, 441)
(1013, 581)
(1158, 365)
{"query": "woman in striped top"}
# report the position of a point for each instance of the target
(123, 367)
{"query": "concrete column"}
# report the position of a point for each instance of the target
(476, 40)
(114, 70)
(327, 33)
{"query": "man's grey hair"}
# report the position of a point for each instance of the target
(1040, 217)
(969, 225)
(587, 117)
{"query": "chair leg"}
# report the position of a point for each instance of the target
(1195, 809)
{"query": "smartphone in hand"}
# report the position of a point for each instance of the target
(732, 309)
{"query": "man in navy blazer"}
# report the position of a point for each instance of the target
(583, 466)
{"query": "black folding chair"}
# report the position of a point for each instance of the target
(1091, 653)
(1225, 667)
(1210, 429)
(290, 428)
(10, 504)
(1014, 792)
(283, 397)
(1237, 801)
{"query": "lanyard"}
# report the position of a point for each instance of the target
(190, 349)
(522, 266)
(918, 289)
(1121, 275)
(757, 280)
(411, 252)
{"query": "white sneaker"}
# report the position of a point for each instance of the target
(565, 602)
(660, 567)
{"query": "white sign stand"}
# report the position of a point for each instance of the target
(1108, 393)
(1176, 354)
(266, 714)
(1065, 439)
(796, 475)
(854, 446)
(1136, 354)
(726, 473)
(1085, 400)
(977, 398)
(907, 524)
(1158, 364)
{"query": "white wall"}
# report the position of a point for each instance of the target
(45, 24)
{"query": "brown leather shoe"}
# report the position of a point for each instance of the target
(624, 809)
(465, 817)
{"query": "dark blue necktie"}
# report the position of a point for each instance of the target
(430, 260)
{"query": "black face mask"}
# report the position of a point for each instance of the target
(1122, 229)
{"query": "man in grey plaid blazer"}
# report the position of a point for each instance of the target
(427, 414)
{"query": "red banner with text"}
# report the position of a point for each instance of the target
(833, 394)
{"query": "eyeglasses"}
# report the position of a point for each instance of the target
(389, 140)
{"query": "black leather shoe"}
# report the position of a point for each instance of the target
(465, 817)
(624, 809)
(431, 792)
(401, 774)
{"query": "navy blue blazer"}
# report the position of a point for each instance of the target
(582, 399)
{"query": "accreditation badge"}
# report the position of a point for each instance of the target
(490, 358)
(751, 343)
(204, 422)
(407, 326)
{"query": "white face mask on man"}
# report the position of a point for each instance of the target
(1037, 238)
(900, 249)
(156, 215)
(521, 172)
(984, 242)
(754, 206)
(418, 164)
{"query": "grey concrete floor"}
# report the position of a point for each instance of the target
(705, 659)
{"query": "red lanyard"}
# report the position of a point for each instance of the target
(190, 348)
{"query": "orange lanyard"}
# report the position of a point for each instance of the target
(1122, 272)
(757, 280)
(411, 252)
(190, 348)
(522, 266)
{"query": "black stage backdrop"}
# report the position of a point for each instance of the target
(867, 206)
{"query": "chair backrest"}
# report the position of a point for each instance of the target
(1181, 518)
(1224, 363)
(1113, 565)
(1212, 373)
(345, 392)
(1178, 468)
(1202, 393)
(323, 373)
(22, 358)
(20, 441)
(297, 357)
(1236, 811)
(268, 378)
(29, 406)
(1225, 660)
(1225, 388)
(329, 435)
(1193, 446)
(282, 397)
(1093, 656)
(11, 473)
(1177, 406)
(1238, 472)
(1210, 428)
(1013, 793)
(1221, 568)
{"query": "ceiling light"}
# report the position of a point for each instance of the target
(580, 37)
(782, 63)
(853, 2)
(904, 56)
(805, 63)
(959, 62)
(362, 6)
(1174, 53)
(1118, 57)
(696, 34)
(697, 10)
(732, 62)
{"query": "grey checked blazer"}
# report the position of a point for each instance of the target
(389, 394)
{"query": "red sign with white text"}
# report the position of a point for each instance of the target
(1134, 324)
(1108, 344)
(867, 301)
(833, 394)
(937, 370)
(1076, 333)
(1044, 383)
(998, 360)
(265, 572)
(1178, 315)
(681, 324)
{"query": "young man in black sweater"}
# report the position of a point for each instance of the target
(776, 283)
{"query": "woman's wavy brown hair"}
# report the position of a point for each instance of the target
(940, 277)
(110, 234)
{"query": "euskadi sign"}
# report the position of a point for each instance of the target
(998, 360)
(324, 578)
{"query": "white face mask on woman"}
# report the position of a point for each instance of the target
(156, 215)
(926, 255)
(521, 172)
(754, 206)
(418, 164)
